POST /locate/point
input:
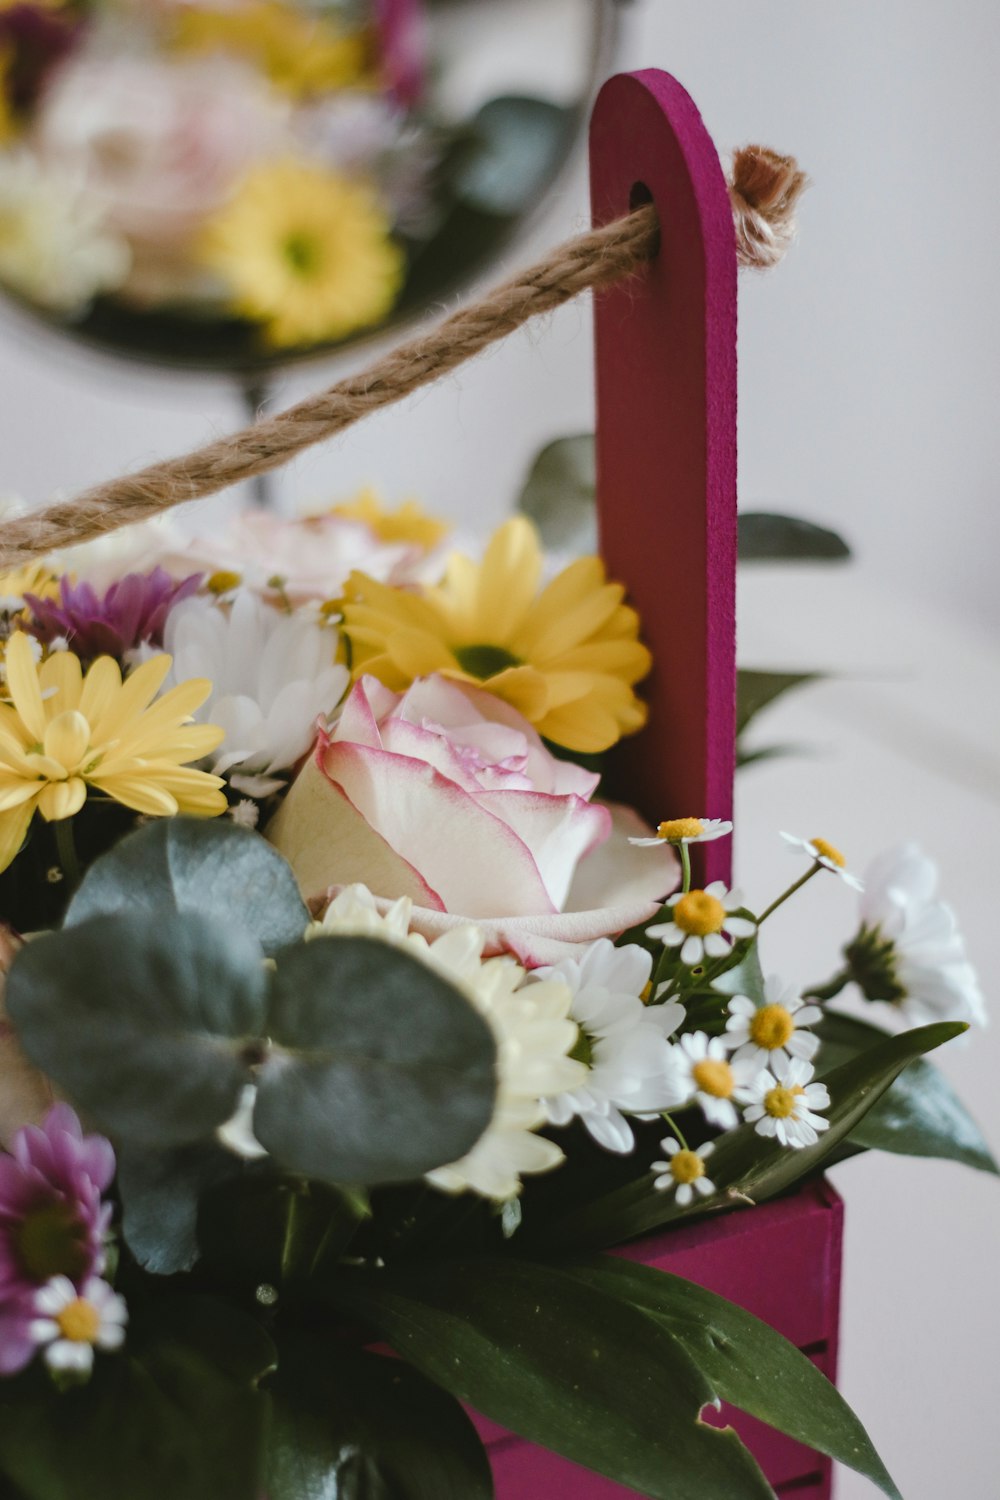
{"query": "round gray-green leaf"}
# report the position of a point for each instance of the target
(189, 864)
(381, 1069)
(143, 1019)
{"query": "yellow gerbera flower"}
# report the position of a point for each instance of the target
(304, 251)
(302, 54)
(566, 658)
(33, 578)
(409, 522)
(63, 731)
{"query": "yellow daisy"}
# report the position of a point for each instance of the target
(33, 578)
(566, 657)
(302, 54)
(409, 522)
(305, 252)
(64, 731)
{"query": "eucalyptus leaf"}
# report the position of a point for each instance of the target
(210, 867)
(349, 1425)
(381, 1069)
(765, 536)
(560, 495)
(160, 1191)
(747, 1166)
(747, 1362)
(143, 1018)
(570, 1366)
(921, 1115)
(755, 690)
(515, 144)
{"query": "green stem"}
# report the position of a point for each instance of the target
(829, 991)
(289, 1248)
(678, 1132)
(795, 886)
(685, 868)
(66, 851)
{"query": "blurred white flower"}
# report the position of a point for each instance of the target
(622, 1042)
(909, 950)
(825, 854)
(273, 674)
(55, 246)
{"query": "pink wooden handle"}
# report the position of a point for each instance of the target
(666, 447)
(400, 25)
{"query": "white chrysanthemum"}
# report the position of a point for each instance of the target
(73, 1324)
(705, 1076)
(684, 1170)
(530, 1023)
(759, 1033)
(701, 922)
(825, 854)
(687, 831)
(783, 1103)
(622, 1043)
(54, 248)
(273, 674)
(909, 950)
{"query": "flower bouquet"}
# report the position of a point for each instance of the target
(227, 184)
(351, 1014)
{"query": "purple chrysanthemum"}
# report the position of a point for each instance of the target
(52, 1220)
(132, 613)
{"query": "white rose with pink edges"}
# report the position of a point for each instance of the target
(447, 795)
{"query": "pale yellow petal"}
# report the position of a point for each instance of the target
(62, 799)
(22, 682)
(15, 791)
(141, 794)
(523, 688)
(548, 634)
(61, 679)
(13, 828)
(137, 692)
(101, 687)
(508, 581)
(67, 739)
(583, 726)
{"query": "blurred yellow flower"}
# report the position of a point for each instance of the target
(409, 522)
(306, 252)
(32, 578)
(301, 53)
(566, 657)
(64, 731)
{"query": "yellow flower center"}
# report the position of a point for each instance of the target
(304, 253)
(686, 1166)
(828, 851)
(698, 914)
(647, 992)
(79, 1321)
(715, 1077)
(223, 582)
(780, 1102)
(680, 828)
(51, 1241)
(770, 1027)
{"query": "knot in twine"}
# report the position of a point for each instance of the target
(764, 191)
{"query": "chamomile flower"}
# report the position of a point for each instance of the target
(760, 1033)
(706, 1077)
(687, 831)
(827, 855)
(783, 1103)
(72, 1324)
(702, 923)
(683, 1173)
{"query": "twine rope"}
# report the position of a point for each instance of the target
(764, 191)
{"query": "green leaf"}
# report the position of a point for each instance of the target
(767, 537)
(516, 144)
(213, 868)
(349, 1425)
(160, 1191)
(177, 1410)
(560, 494)
(143, 1019)
(748, 1166)
(566, 1365)
(921, 1115)
(265, 1228)
(747, 1362)
(383, 1071)
(755, 690)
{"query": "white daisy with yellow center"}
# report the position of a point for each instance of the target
(683, 1172)
(702, 923)
(783, 1103)
(760, 1033)
(531, 1025)
(72, 1324)
(826, 854)
(686, 831)
(705, 1076)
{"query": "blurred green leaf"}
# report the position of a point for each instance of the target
(756, 689)
(515, 144)
(767, 537)
(560, 495)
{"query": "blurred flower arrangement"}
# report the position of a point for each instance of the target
(349, 964)
(266, 172)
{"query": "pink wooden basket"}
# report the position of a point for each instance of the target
(666, 479)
